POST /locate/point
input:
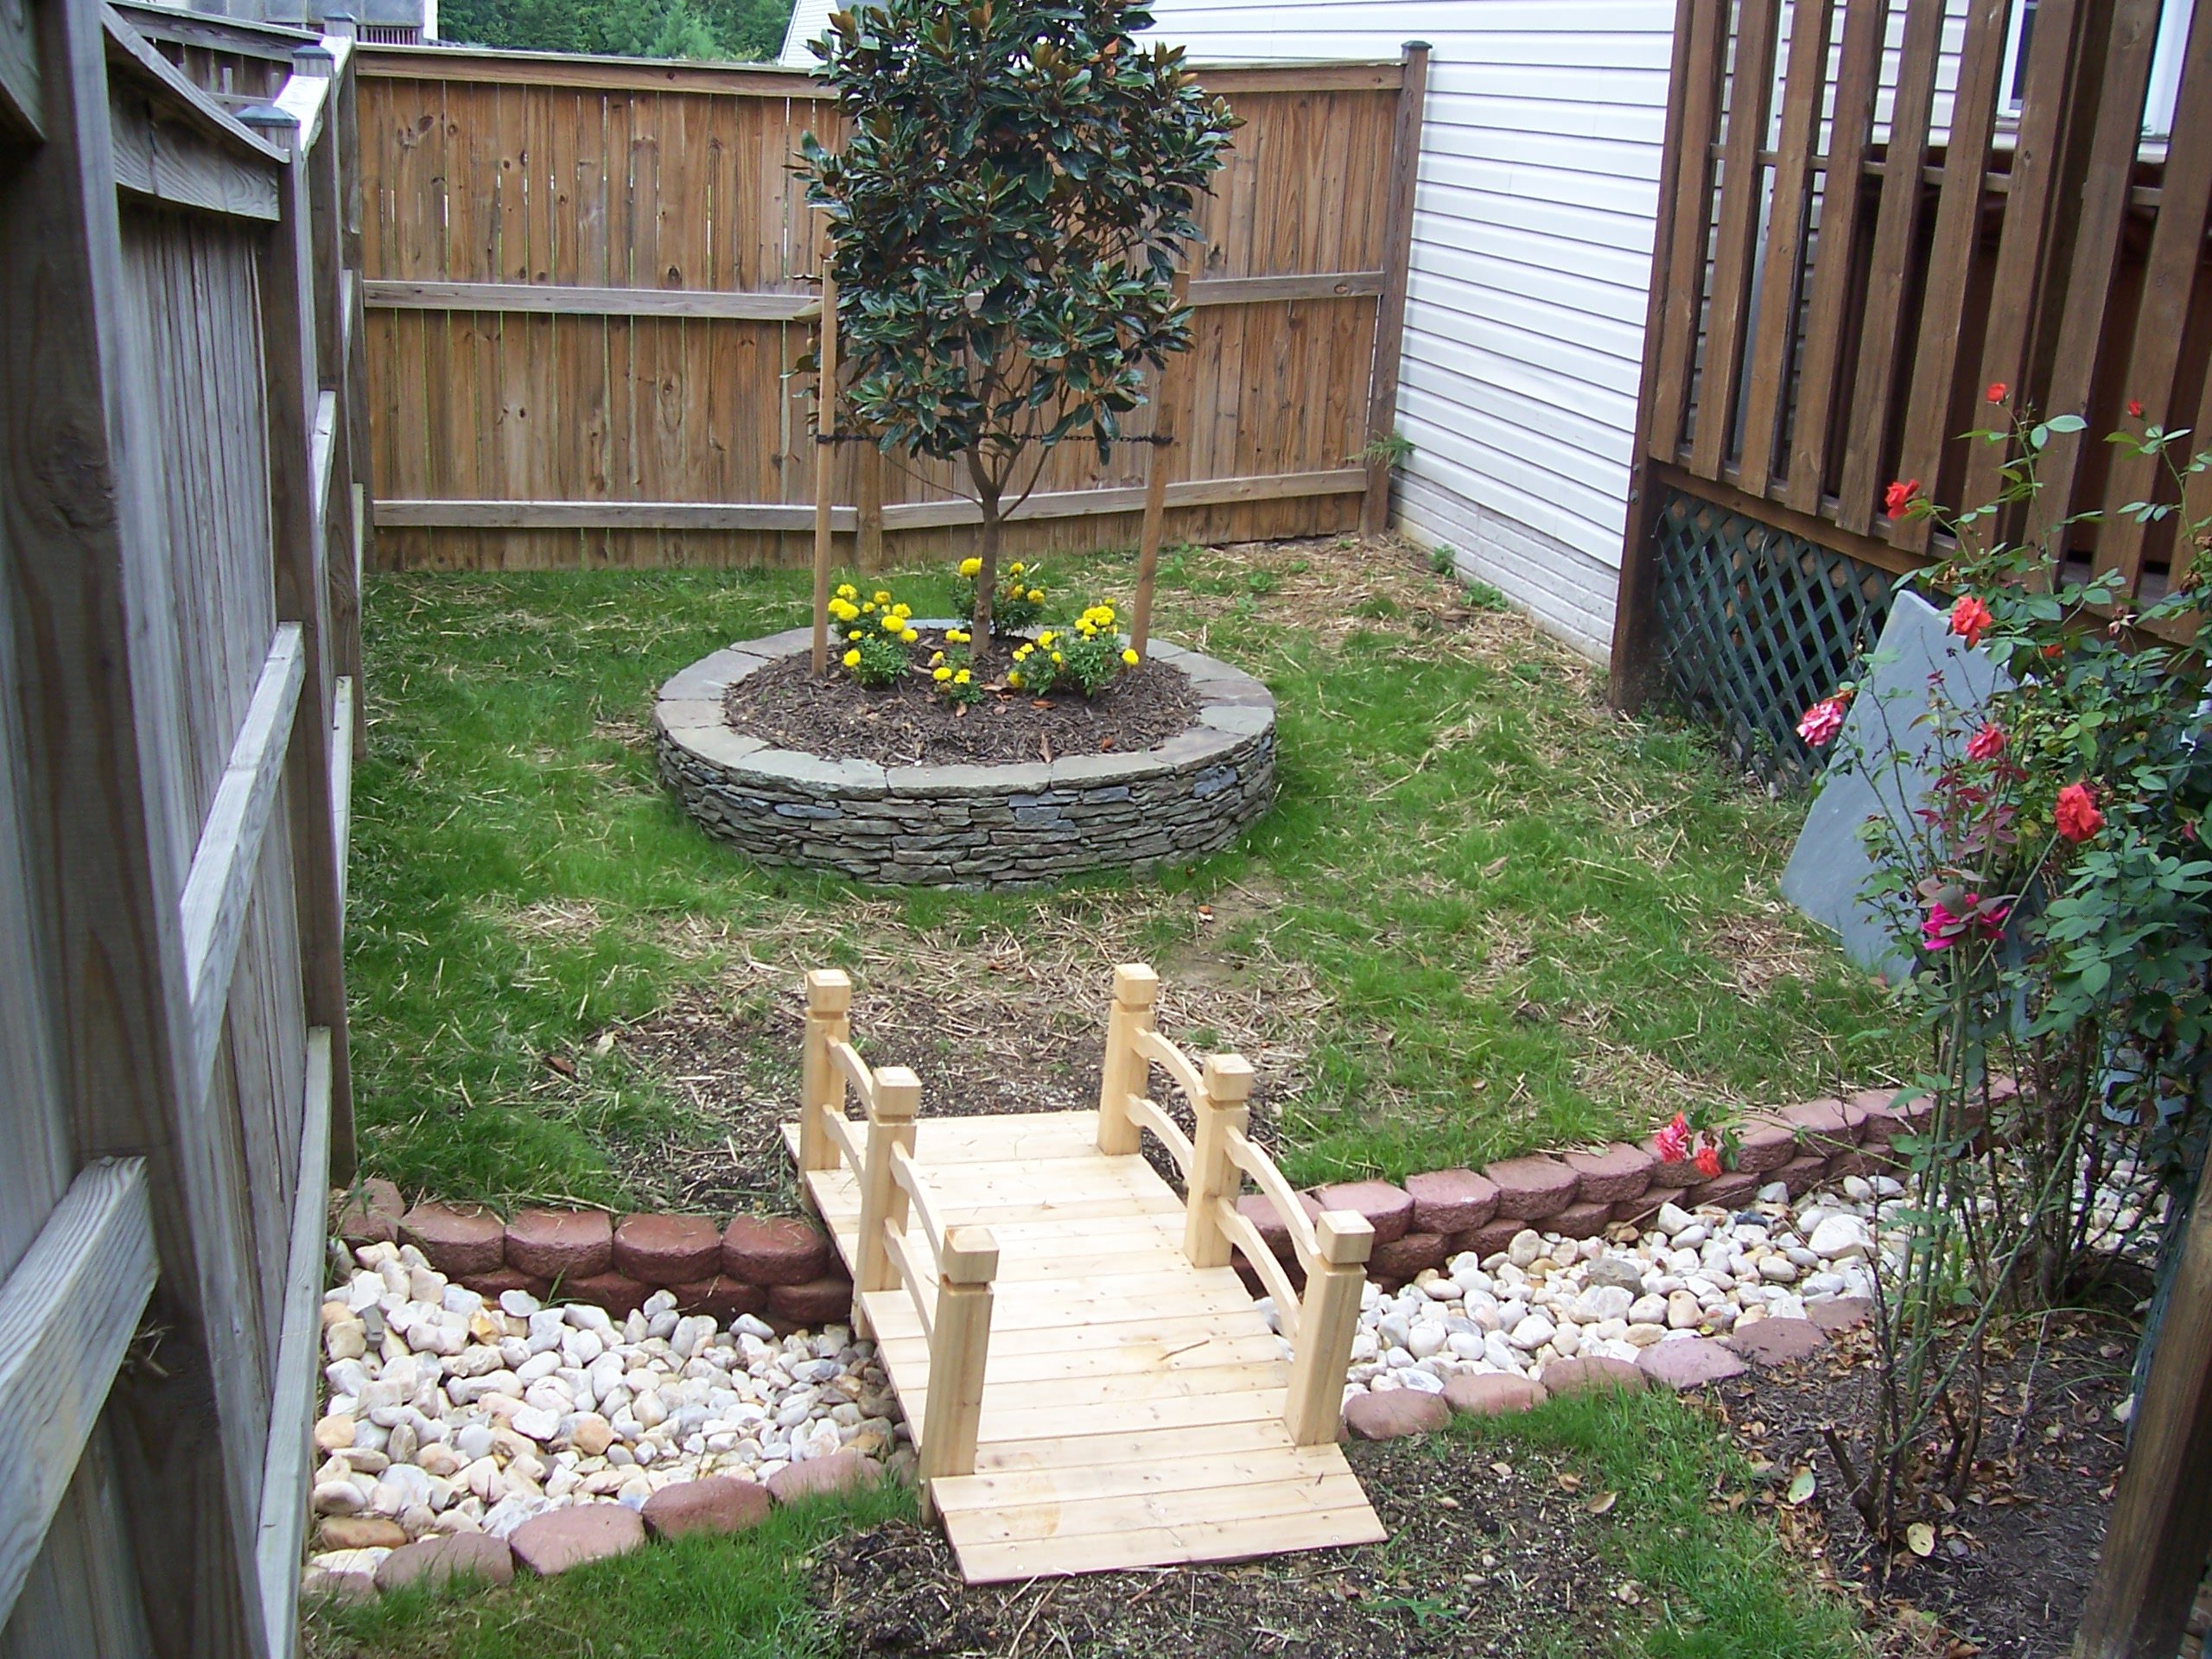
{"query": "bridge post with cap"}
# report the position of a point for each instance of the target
(1327, 1319)
(1135, 989)
(897, 1098)
(1223, 1105)
(821, 1089)
(960, 1342)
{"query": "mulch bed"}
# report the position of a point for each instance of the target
(909, 724)
(2012, 1568)
(1477, 1563)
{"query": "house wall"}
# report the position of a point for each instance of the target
(1532, 249)
(809, 19)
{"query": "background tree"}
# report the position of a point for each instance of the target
(739, 29)
(1008, 209)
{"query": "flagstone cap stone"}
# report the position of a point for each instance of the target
(1764, 1143)
(1529, 1189)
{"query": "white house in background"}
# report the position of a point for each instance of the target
(1532, 251)
(809, 19)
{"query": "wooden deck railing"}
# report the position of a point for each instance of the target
(950, 1286)
(1331, 1250)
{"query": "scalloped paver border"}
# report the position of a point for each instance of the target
(1023, 825)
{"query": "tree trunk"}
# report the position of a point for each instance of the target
(987, 578)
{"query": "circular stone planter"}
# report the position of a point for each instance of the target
(1023, 825)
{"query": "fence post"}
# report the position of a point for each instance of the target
(1391, 308)
(828, 996)
(1135, 987)
(959, 1347)
(2161, 1519)
(883, 1201)
(1326, 1320)
(1221, 1107)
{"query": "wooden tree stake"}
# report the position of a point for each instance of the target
(828, 996)
(1156, 490)
(825, 460)
(1327, 1319)
(1135, 987)
(1221, 1108)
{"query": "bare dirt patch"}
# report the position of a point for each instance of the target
(2012, 1566)
(907, 723)
(1477, 1563)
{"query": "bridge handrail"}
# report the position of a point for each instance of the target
(1331, 1250)
(951, 1290)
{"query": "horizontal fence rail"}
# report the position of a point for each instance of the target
(587, 283)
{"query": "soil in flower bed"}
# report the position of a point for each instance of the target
(2012, 1568)
(908, 724)
(1477, 1563)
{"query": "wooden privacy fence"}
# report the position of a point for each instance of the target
(1862, 229)
(182, 525)
(588, 282)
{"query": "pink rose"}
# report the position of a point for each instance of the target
(1821, 722)
(1987, 744)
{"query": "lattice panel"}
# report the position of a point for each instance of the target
(1756, 624)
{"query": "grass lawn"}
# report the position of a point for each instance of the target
(1633, 1508)
(1484, 915)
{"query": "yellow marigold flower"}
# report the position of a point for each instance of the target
(852, 659)
(1015, 570)
(941, 674)
(882, 596)
(1013, 678)
(1036, 596)
(961, 677)
(971, 567)
(909, 637)
(1020, 652)
(955, 636)
(1058, 658)
(846, 590)
(869, 607)
(1129, 657)
(1046, 638)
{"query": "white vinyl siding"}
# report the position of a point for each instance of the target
(1532, 252)
(810, 18)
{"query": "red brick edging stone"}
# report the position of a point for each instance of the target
(783, 1268)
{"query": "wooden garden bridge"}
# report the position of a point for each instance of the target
(1091, 1384)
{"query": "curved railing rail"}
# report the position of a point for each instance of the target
(947, 1273)
(1331, 1249)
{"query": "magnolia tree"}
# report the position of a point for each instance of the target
(1007, 212)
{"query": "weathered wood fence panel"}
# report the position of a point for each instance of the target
(181, 528)
(588, 282)
(1840, 278)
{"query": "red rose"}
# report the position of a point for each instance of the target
(1996, 392)
(2077, 814)
(1897, 500)
(1970, 620)
(1987, 744)
(1708, 1162)
(2135, 407)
